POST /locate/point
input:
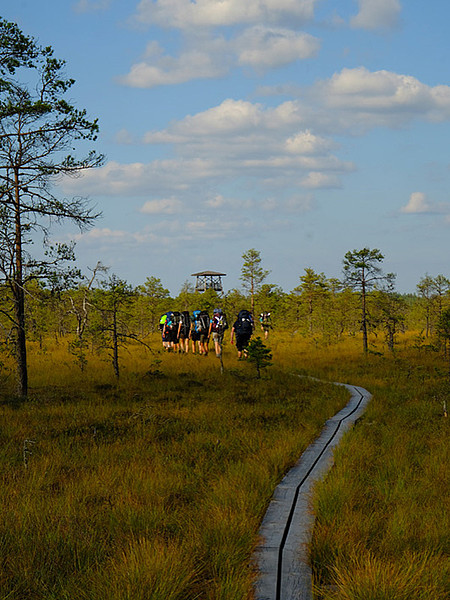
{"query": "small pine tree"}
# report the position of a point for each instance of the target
(260, 355)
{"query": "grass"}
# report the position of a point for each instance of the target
(152, 487)
(382, 527)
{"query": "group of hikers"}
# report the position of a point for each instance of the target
(179, 330)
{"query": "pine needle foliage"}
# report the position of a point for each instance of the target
(259, 355)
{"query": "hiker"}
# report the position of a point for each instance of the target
(265, 322)
(242, 329)
(174, 326)
(195, 332)
(217, 329)
(165, 331)
(184, 331)
(204, 331)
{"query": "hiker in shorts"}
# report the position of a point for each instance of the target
(242, 329)
(195, 332)
(217, 329)
(200, 331)
(174, 327)
(205, 325)
(184, 331)
(162, 328)
(265, 322)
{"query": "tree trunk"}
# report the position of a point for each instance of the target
(364, 318)
(19, 298)
(115, 345)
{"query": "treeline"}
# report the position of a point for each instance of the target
(109, 313)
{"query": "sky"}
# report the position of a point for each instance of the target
(301, 128)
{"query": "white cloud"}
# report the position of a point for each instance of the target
(305, 142)
(419, 204)
(184, 14)
(377, 14)
(357, 100)
(101, 234)
(206, 57)
(203, 62)
(234, 140)
(266, 47)
(270, 147)
(140, 179)
(316, 180)
(162, 206)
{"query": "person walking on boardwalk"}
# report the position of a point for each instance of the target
(242, 329)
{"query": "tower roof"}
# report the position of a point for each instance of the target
(206, 273)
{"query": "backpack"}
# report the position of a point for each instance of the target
(162, 321)
(195, 320)
(185, 322)
(244, 323)
(175, 320)
(219, 321)
(168, 322)
(203, 318)
(264, 318)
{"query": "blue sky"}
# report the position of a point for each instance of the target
(301, 128)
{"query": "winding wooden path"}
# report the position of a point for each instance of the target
(284, 573)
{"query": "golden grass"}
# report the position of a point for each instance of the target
(152, 486)
(383, 511)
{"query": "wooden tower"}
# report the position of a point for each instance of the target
(208, 280)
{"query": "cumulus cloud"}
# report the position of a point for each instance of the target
(417, 204)
(305, 142)
(357, 100)
(276, 147)
(162, 206)
(184, 14)
(266, 47)
(198, 61)
(377, 14)
(205, 56)
(316, 180)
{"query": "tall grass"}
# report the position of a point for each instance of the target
(154, 486)
(149, 487)
(382, 528)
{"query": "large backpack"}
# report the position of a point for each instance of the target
(169, 318)
(219, 321)
(175, 320)
(162, 321)
(264, 318)
(244, 323)
(203, 318)
(195, 320)
(185, 322)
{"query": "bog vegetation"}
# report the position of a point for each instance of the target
(151, 482)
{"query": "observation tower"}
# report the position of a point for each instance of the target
(208, 280)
